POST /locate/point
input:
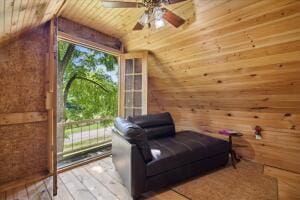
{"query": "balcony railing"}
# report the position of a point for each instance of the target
(85, 135)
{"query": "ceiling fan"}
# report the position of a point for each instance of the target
(155, 14)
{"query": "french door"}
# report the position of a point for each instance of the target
(133, 84)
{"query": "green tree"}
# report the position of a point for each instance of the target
(85, 88)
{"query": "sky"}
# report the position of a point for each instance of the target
(113, 74)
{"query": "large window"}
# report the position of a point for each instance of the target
(87, 101)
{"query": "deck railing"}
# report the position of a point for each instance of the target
(84, 135)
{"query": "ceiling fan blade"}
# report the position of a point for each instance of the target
(173, 19)
(138, 26)
(172, 1)
(121, 4)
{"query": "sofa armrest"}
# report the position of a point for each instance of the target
(130, 164)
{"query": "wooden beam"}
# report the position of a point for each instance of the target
(21, 118)
(78, 33)
(52, 89)
(84, 42)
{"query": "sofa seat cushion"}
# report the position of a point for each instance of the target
(186, 147)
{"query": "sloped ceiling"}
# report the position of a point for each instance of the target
(117, 22)
(17, 16)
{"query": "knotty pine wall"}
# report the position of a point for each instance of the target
(23, 114)
(237, 65)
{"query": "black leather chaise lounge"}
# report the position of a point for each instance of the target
(149, 154)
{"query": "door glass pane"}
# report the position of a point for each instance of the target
(128, 112)
(137, 99)
(128, 66)
(128, 82)
(128, 99)
(137, 111)
(137, 82)
(137, 65)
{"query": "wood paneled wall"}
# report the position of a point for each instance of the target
(236, 66)
(23, 114)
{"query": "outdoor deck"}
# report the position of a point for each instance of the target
(99, 180)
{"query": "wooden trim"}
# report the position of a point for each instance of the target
(22, 182)
(145, 83)
(288, 182)
(76, 40)
(61, 170)
(22, 118)
(119, 87)
(49, 100)
(52, 107)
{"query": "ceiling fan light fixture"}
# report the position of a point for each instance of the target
(159, 23)
(155, 15)
(158, 14)
(144, 20)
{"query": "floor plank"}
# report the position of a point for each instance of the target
(93, 185)
(99, 180)
(42, 191)
(62, 192)
(76, 188)
(21, 193)
(164, 195)
(110, 170)
(2, 195)
(113, 186)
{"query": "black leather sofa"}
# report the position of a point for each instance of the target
(149, 154)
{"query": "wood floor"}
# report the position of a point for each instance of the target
(97, 180)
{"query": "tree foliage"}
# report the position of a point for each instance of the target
(88, 87)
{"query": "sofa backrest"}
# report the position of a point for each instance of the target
(155, 125)
(134, 134)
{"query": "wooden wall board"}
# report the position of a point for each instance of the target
(21, 118)
(21, 73)
(288, 182)
(235, 67)
(24, 122)
(23, 151)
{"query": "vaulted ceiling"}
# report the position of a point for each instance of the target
(17, 16)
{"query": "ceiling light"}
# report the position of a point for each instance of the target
(158, 17)
(159, 23)
(144, 20)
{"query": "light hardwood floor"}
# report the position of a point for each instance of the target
(97, 180)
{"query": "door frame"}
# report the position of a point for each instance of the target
(55, 37)
(131, 55)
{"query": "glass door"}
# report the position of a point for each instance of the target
(133, 84)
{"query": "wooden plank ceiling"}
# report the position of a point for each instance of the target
(117, 22)
(17, 16)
